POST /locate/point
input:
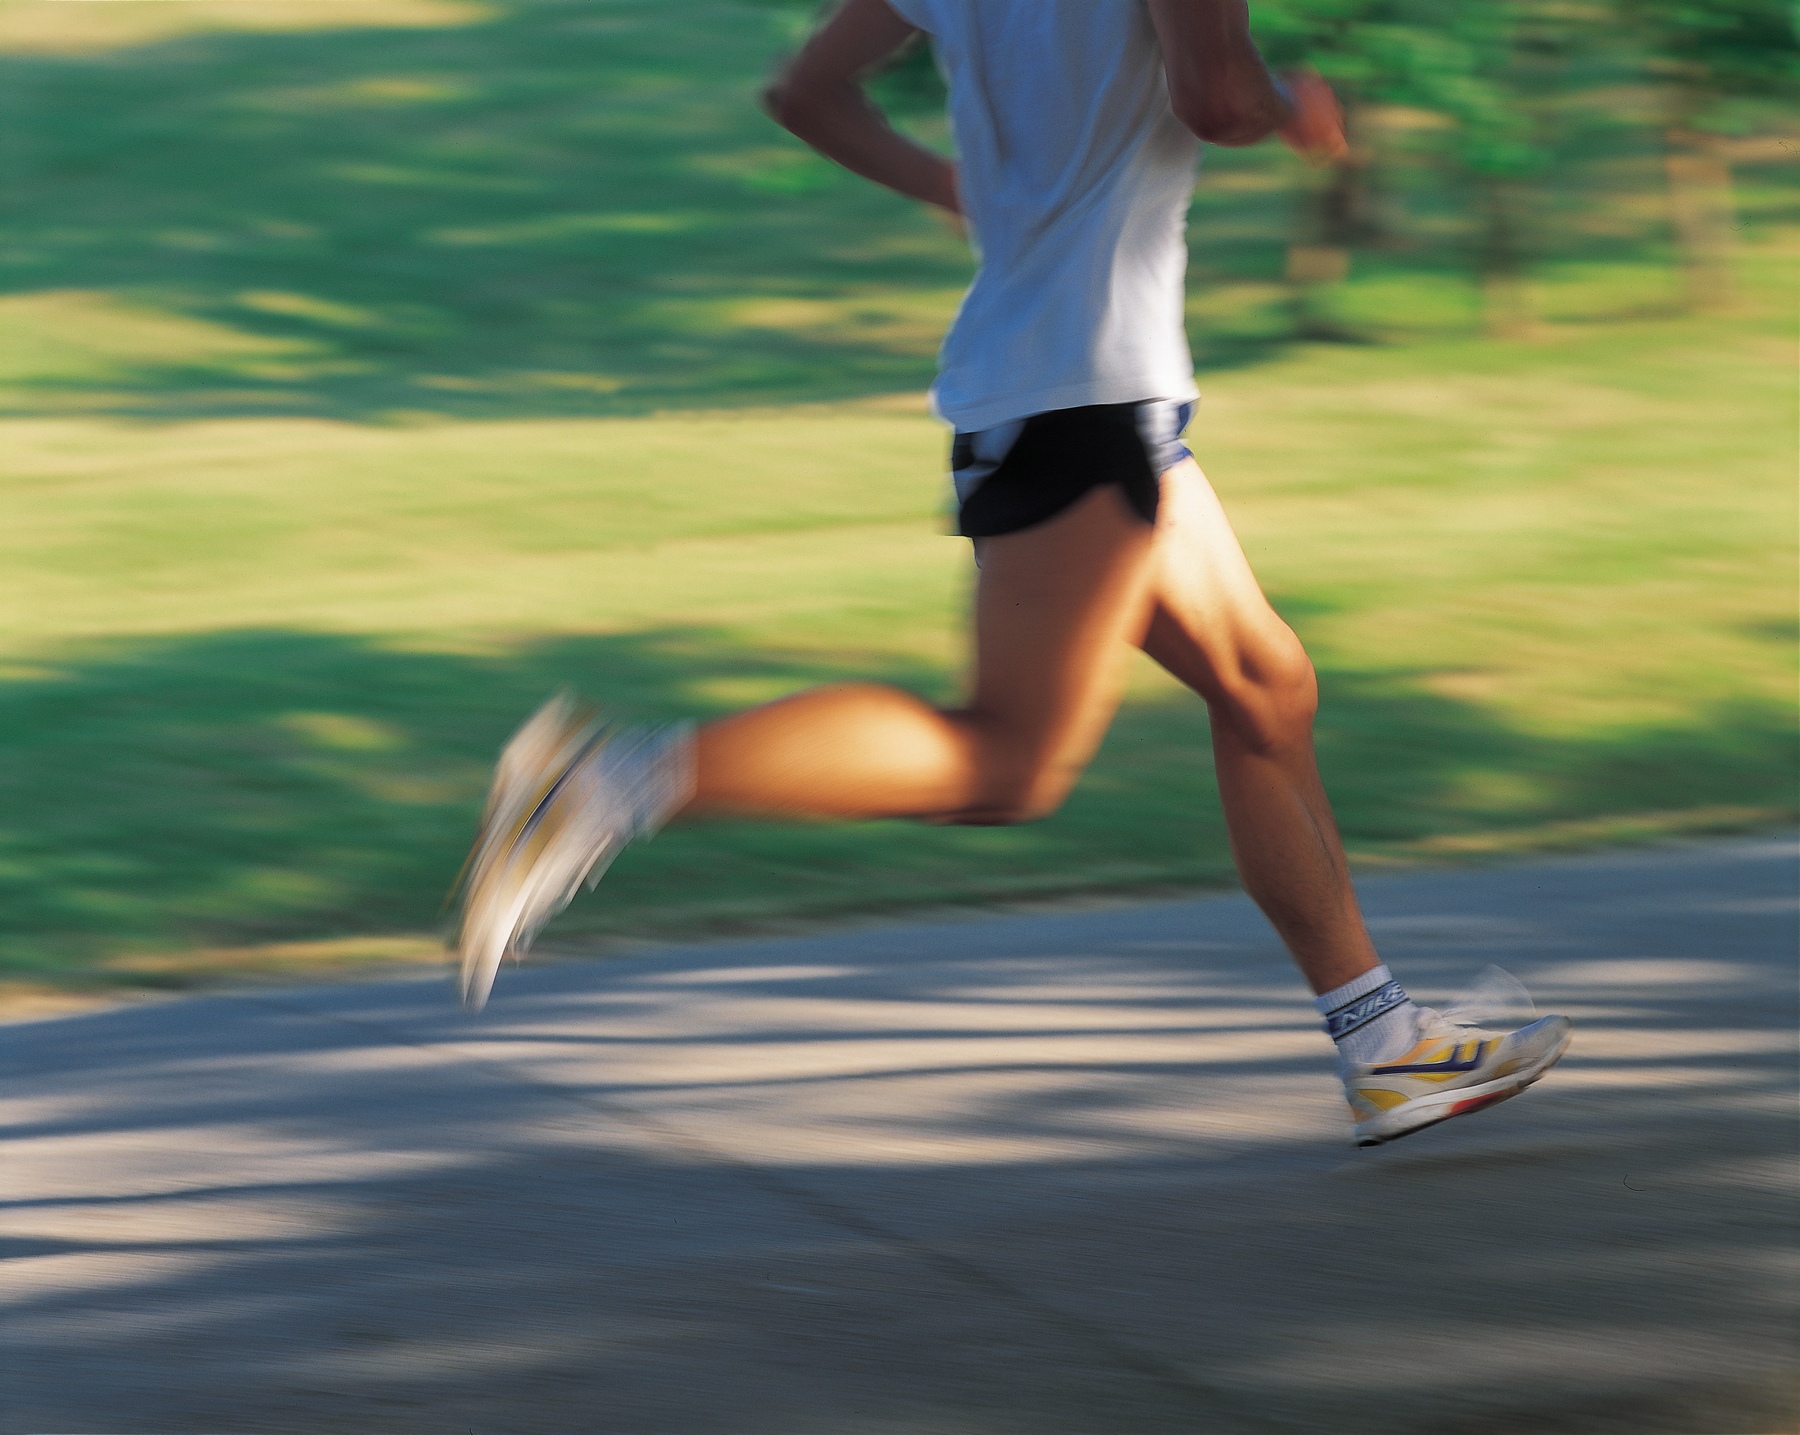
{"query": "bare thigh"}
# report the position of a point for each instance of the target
(1056, 606)
(1213, 628)
(1211, 625)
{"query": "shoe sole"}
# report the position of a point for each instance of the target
(498, 918)
(487, 935)
(481, 958)
(1423, 1111)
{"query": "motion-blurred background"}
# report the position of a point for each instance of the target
(369, 368)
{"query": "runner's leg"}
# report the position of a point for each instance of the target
(1212, 628)
(1052, 606)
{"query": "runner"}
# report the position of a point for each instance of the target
(1068, 381)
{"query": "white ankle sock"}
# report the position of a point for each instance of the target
(654, 769)
(1370, 1017)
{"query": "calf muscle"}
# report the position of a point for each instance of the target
(1213, 629)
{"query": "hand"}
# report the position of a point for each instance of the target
(1315, 130)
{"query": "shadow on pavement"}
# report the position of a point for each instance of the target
(1079, 1173)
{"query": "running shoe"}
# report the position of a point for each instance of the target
(569, 793)
(1452, 1071)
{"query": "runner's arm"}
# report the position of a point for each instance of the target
(819, 98)
(1220, 88)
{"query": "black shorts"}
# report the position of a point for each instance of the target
(1019, 474)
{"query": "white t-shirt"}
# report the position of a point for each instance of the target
(1076, 177)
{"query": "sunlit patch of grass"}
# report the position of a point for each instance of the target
(58, 27)
(1407, 305)
(1590, 292)
(343, 732)
(1574, 836)
(271, 961)
(564, 227)
(101, 338)
(369, 92)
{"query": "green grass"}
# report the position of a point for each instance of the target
(359, 386)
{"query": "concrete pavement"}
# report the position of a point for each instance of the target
(1077, 1173)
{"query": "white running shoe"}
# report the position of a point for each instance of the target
(1451, 1071)
(568, 795)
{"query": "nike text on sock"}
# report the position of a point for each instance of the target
(1369, 1017)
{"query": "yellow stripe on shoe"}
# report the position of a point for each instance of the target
(1450, 1072)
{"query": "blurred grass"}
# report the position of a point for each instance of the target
(542, 208)
(361, 384)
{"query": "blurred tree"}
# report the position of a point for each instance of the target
(1483, 65)
(1338, 206)
(1721, 62)
(1489, 66)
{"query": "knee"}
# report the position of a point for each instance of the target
(1013, 798)
(1271, 698)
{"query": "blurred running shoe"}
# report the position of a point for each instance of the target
(569, 793)
(1451, 1071)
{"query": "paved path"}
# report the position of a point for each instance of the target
(1057, 1174)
